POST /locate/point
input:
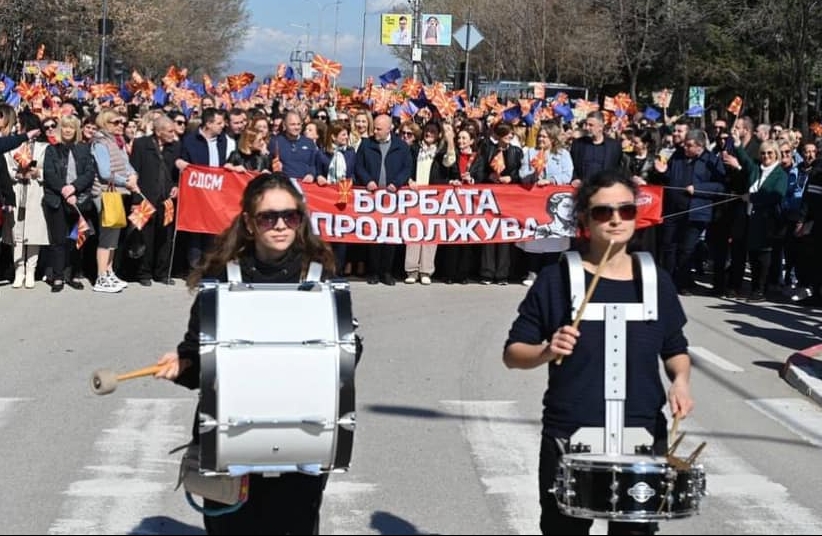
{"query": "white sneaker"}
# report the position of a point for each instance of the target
(106, 284)
(411, 279)
(425, 280)
(116, 280)
(528, 281)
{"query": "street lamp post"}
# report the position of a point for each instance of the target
(320, 9)
(104, 31)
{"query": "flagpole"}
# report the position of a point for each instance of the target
(362, 44)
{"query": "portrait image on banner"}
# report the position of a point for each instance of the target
(396, 29)
(436, 29)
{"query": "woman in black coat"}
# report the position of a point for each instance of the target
(68, 174)
(272, 242)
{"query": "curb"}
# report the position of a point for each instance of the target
(803, 371)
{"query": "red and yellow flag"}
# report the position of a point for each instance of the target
(325, 66)
(23, 156)
(538, 163)
(82, 232)
(498, 162)
(168, 212)
(140, 214)
(735, 107)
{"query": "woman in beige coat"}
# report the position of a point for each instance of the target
(26, 228)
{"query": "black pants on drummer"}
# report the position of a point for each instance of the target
(285, 504)
(553, 521)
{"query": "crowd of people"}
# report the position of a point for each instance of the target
(736, 195)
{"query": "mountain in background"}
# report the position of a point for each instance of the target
(350, 74)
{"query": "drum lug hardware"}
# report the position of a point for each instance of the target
(275, 448)
(207, 423)
(348, 421)
(614, 499)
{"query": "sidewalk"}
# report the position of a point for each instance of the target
(803, 370)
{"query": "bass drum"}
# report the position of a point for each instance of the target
(277, 378)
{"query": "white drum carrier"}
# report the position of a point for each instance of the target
(610, 473)
(277, 377)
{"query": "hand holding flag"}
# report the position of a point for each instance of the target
(140, 214)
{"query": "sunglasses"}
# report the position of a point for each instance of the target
(117, 122)
(603, 213)
(767, 153)
(49, 127)
(407, 133)
(180, 122)
(268, 219)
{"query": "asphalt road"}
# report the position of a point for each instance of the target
(447, 438)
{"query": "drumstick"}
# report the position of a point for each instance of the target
(139, 373)
(105, 381)
(692, 458)
(588, 294)
(674, 427)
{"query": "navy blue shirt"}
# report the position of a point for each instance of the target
(575, 395)
(299, 157)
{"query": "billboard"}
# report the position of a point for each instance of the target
(396, 29)
(436, 29)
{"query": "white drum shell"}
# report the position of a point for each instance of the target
(272, 379)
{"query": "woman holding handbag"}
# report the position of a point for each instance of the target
(116, 175)
(68, 174)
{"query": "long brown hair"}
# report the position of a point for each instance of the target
(234, 241)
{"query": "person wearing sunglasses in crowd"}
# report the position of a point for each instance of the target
(606, 211)
(272, 241)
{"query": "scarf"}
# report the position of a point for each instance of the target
(337, 168)
(764, 173)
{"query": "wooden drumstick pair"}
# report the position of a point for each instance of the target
(588, 294)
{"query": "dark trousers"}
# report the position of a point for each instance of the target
(552, 520)
(728, 237)
(380, 258)
(198, 245)
(64, 256)
(457, 261)
(287, 504)
(155, 262)
(760, 264)
(495, 261)
(678, 243)
(339, 249)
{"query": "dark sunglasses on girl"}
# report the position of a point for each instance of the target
(603, 213)
(268, 219)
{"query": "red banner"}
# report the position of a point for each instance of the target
(210, 198)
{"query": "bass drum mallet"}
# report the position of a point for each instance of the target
(105, 381)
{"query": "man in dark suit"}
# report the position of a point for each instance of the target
(153, 157)
(594, 152)
(383, 161)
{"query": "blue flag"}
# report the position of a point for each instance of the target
(651, 114)
(389, 77)
(509, 115)
(564, 111)
(695, 111)
(289, 73)
(160, 96)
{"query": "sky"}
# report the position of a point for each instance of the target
(278, 28)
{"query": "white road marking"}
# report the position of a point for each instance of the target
(506, 454)
(800, 416)
(132, 475)
(5, 408)
(703, 354)
(750, 501)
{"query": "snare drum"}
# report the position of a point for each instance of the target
(277, 378)
(627, 488)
